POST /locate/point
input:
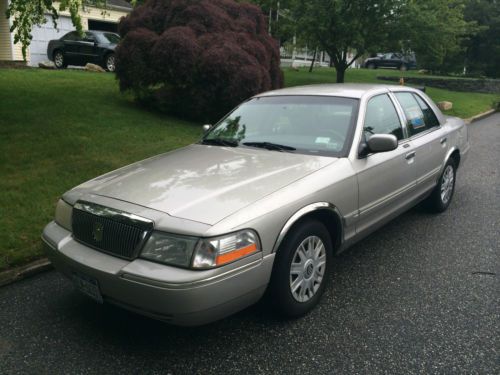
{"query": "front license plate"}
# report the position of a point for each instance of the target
(88, 286)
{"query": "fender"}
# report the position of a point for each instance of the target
(447, 157)
(303, 212)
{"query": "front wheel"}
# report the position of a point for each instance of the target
(301, 269)
(403, 67)
(441, 196)
(371, 66)
(110, 62)
(59, 60)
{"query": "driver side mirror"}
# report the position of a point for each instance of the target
(206, 128)
(378, 143)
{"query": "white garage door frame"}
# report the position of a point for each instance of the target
(43, 34)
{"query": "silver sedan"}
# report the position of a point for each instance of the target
(260, 205)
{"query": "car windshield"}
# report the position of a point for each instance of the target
(320, 125)
(109, 38)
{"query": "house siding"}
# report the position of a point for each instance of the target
(5, 42)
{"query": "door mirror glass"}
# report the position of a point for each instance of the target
(382, 143)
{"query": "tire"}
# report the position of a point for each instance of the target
(59, 60)
(403, 67)
(110, 62)
(371, 66)
(441, 196)
(312, 267)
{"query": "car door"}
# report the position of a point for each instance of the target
(427, 136)
(386, 180)
(88, 49)
(71, 47)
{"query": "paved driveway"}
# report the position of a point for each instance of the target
(419, 296)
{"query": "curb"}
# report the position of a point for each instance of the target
(480, 116)
(19, 273)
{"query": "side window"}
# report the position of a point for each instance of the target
(418, 114)
(71, 36)
(382, 118)
(429, 115)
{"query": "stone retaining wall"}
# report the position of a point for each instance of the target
(488, 86)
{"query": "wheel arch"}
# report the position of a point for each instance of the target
(453, 153)
(324, 212)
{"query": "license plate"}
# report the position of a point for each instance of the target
(88, 286)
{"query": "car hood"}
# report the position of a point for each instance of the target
(204, 183)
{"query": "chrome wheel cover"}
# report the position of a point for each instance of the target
(59, 59)
(307, 269)
(110, 63)
(447, 181)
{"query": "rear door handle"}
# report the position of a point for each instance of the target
(443, 140)
(410, 155)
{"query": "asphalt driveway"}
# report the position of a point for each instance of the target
(420, 295)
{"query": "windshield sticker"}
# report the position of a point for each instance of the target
(322, 140)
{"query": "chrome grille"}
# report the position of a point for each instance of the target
(108, 230)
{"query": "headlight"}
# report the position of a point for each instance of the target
(217, 251)
(200, 253)
(170, 249)
(63, 214)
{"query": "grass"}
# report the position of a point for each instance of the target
(465, 104)
(60, 128)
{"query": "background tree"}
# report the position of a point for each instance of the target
(483, 49)
(436, 31)
(29, 13)
(344, 26)
(197, 59)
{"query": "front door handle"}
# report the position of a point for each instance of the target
(410, 155)
(443, 140)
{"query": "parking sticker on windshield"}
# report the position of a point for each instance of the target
(322, 140)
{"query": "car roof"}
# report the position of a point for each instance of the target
(346, 90)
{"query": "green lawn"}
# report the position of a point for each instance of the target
(60, 128)
(465, 104)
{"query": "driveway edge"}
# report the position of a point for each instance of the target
(480, 116)
(19, 273)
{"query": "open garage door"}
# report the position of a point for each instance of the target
(43, 34)
(103, 26)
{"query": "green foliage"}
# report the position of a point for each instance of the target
(483, 49)
(436, 31)
(343, 26)
(29, 13)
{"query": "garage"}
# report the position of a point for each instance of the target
(43, 34)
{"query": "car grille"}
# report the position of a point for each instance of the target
(108, 230)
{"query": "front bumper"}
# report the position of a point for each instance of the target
(178, 296)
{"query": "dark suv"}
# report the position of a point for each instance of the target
(95, 47)
(391, 60)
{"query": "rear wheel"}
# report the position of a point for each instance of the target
(403, 67)
(441, 196)
(301, 269)
(110, 62)
(59, 60)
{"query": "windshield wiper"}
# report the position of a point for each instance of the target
(219, 142)
(270, 146)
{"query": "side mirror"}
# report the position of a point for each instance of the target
(378, 143)
(206, 128)
(382, 142)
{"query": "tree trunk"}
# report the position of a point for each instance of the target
(340, 73)
(313, 60)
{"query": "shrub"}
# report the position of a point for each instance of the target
(196, 58)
